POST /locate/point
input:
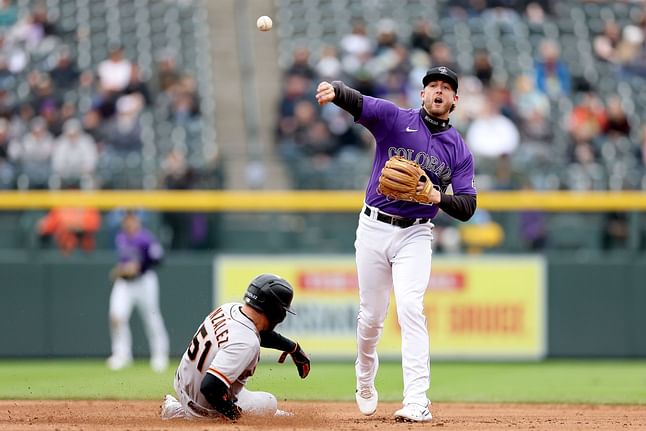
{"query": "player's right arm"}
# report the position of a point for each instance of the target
(377, 115)
(341, 95)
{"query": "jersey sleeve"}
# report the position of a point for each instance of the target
(378, 116)
(154, 250)
(235, 361)
(463, 181)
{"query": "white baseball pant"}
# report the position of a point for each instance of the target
(250, 402)
(142, 292)
(393, 258)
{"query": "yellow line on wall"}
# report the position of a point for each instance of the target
(306, 201)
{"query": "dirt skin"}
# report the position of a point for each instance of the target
(330, 416)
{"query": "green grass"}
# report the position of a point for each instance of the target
(553, 381)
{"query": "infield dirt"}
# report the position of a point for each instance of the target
(332, 416)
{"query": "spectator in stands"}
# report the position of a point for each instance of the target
(124, 132)
(386, 36)
(441, 54)
(535, 15)
(20, 121)
(27, 32)
(632, 52)
(584, 171)
(138, 85)
(300, 64)
(617, 121)
(7, 104)
(52, 114)
(15, 53)
(295, 90)
(64, 74)
(472, 103)
(114, 72)
(7, 78)
(532, 109)
(40, 18)
(422, 36)
(67, 112)
(8, 13)
(97, 129)
(167, 73)
(482, 67)
(75, 158)
(588, 117)
(32, 154)
(357, 42)
(6, 167)
(350, 142)
(319, 144)
(506, 177)
(492, 134)
(605, 44)
(184, 103)
(551, 73)
(43, 96)
(329, 66)
(70, 227)
(292, 130)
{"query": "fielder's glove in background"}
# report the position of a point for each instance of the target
(399, 178)
(300, 358)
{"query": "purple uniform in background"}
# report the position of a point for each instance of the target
(141, 291)
(141, 247)
(444, 155)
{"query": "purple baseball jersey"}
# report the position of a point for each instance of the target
(141, 247)
(402, 132)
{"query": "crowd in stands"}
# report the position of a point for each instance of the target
(64, 127)
(542, 126)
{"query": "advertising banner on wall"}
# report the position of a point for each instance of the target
(477, 307)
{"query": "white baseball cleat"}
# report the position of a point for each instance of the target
(171, 408)
(117, 362)
(280, 412)
(367, 399)
(413, 413)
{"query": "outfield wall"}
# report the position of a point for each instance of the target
(57, 306)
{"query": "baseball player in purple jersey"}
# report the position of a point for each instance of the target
(136, 284)
(393, 243)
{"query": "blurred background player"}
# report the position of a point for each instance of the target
(136, 284)
(223, 354)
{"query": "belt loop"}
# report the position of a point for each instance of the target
(374, 212)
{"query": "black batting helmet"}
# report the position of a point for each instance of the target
(272, 295)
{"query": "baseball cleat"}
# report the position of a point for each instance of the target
(117, 363)
(367, 399)
(280, 412)
(413, 413)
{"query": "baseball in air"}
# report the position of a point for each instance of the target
(264, 23)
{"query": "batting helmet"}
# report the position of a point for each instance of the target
(272, 295)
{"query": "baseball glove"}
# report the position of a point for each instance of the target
(300, 358)
(399, 178)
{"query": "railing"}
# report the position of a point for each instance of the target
(309, 201)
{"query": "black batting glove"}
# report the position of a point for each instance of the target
(300, 358)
